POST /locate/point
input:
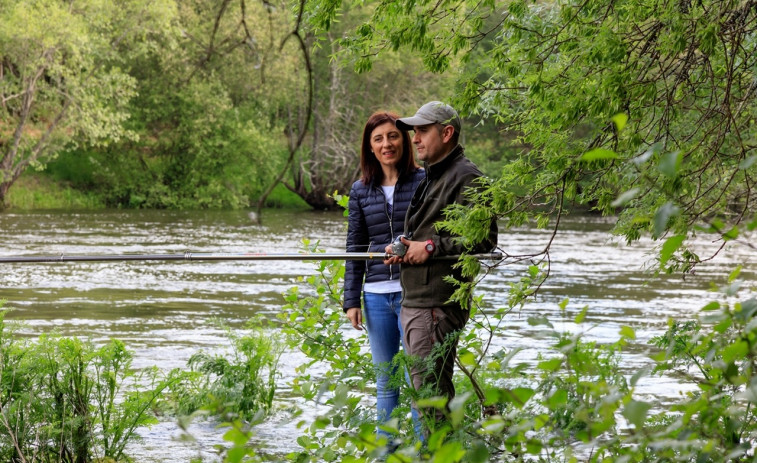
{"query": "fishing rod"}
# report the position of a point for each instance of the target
(220, 256)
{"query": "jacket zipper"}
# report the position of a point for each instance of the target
(391, 222)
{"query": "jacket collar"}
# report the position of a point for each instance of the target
(407, 177)
(435, 171)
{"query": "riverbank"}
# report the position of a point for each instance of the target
(40, 191)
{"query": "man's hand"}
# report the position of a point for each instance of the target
(415, 254)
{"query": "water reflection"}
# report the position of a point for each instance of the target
(165, 311)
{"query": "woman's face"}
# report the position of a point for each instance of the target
(386, 144)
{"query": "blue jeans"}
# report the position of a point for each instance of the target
(382, 320)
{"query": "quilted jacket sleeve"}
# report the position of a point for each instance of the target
(357, 240)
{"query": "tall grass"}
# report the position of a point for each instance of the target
(37, 191)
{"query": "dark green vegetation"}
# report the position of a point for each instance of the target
(64, 400)
(243, 381)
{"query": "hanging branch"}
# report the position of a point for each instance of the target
(293, 146)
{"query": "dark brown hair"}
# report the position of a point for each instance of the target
(369, 165)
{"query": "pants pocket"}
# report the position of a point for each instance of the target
(446, 321)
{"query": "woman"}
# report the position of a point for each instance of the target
(378, 202)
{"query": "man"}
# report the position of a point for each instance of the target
(427, 315)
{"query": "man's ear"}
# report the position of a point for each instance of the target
(447, 133)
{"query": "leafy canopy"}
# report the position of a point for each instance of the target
(641, 107)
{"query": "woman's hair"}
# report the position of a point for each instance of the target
(369, 165)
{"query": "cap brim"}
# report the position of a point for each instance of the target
(407, 123)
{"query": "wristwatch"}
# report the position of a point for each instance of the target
(430, 246)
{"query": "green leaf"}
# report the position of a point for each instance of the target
(636, 412)
(731, 234)
(437, 402)
(457, 408)
(537, 320)
(670, 163)
(477, 453)
(581, 315)
(598, 153)
(235, 454)
(625, 197)
(734, 274)
(670, 246)
(436, 439)
(736, 351)
(627, 332)
(534, 446)
(620, 121)
(450, 452)
(236, 436)
(468, 359)
(662, 217)
(745, 311)
(518, 396)
(711, 306)
(550, 365)
(558, 398)
(494, 425)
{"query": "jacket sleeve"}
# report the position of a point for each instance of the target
(357, 240)
(447, 244)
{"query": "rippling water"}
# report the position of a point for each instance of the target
(165, 310)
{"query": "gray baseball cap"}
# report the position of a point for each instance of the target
(434, 112)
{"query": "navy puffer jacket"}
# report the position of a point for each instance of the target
(370, 228)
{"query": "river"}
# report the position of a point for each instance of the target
(165, 310)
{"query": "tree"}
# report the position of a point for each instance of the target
(61, 76)
(274, 57)
(645, 108)
(343, 101)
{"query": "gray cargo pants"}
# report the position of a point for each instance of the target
(423, 329)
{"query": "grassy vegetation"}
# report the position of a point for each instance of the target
(41, 191)
(282, 198)
(38, 191)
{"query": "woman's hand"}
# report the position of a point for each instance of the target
(356, 317)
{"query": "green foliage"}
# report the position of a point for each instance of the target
(312, 319)
(575, 403)
(214, 155)
(243, 384)
(612, 105)
(63, 400)
(38, 191)
(63, 80)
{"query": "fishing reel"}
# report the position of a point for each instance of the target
(398, 247)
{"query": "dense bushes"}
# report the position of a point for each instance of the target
(196, 151)
(65, 400)
(573, 404)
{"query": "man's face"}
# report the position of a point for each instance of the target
(432, 141)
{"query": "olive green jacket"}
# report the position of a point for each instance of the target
(423, 286)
